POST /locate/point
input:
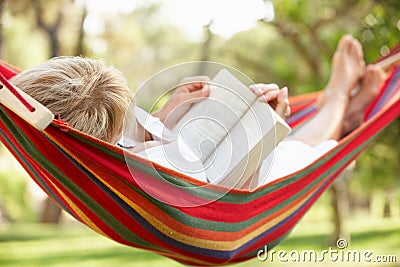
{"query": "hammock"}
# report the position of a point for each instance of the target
(127, 199)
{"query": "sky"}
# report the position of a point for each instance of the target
(228, 17)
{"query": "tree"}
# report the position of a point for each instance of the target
(51, 21)
(53, 29)
(129, 38)
(52, 212)
(313, 27)
(206, 47)
(2, 4)
(378, 170)
(80, 46)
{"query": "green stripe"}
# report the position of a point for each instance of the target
(234, 198)
(114, 224)
(233, 227)
(204, 192)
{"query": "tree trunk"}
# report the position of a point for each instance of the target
(51, 31)
(2, 3)
(387, 211)
(3, 213)
(51, 212)
(340, 207)
(80, 46)
(205, 48)
(359, 202)
(54, 46)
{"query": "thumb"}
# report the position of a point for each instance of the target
(283, 102)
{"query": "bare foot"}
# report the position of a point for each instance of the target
(370, 86)
(347, 69)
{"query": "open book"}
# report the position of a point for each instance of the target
(231, 132)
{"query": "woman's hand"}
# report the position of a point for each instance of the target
(190, 90)
(277, 98)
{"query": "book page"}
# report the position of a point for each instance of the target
(237, 144)
(247, 145)
(208, 122)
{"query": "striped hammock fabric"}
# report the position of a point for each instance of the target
(129, 200)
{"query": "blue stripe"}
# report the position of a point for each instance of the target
(390, 90)
(301, 114)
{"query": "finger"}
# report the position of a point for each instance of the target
(260, 88)
(282, 107)
(195, 86)
(197, 96)
(269, 96)
(195, 82)
(287, 112)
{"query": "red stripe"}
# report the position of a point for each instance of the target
(370, 108)
(8, 70)
(302, 119)
(15, 92)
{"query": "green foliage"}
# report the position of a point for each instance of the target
(379, 168)
(263, 55)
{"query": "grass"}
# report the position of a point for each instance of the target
(33, 245)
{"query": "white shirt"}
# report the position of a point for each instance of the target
(291, 156)
(288, 157)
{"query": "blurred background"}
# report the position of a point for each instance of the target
(289, 42)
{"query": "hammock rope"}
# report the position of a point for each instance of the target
(125, 198)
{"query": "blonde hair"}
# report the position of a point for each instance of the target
(91, 97)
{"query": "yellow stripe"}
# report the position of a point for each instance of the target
(186, 239)
(80, 213)
(204, 243)
(90, 224)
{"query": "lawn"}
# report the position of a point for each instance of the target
(29, 245)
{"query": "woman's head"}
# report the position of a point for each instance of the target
(90, 96)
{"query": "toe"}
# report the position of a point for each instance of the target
(354, 49)
(373, 80)
(344, 43)
(368, 77)
(359, 50)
